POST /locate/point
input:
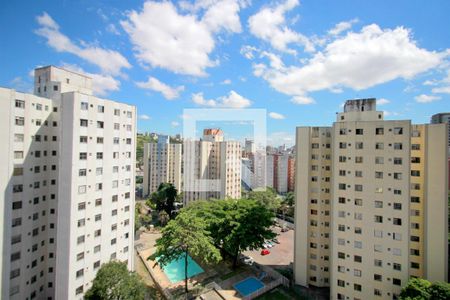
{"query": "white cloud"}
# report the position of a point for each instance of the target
(175, 124)
(181, 43)
(390, 113)
(423, 98)
(357, 60)
(109, 61)
(233, 100)
(144, 117)
(302, 100)
(101, 84)
(441, 90)
(226, 81)
(383, 101)
(22, 85)
(111, 28)
(276, 116)
(269, 24)
(248, 51)
(168, 92)
(342, 26)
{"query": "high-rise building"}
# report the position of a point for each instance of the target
(212, 167)
(371, 204)
(162, 163)
(281, 185)
(440, 119)
(68, 180)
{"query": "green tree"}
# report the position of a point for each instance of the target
(421, 289)
(114, 281)
(269, 198)
(236, 225)
(289, 199)
(163, 218)
(184, 236)
(165, 197)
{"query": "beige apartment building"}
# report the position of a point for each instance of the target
(67, 181)
(372, 204)
(162, 163)
(212, 168)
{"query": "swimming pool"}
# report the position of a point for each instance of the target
(248, 286)
(175, 269)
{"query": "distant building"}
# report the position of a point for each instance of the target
(371, 204)
(212, 167)
(162, 163)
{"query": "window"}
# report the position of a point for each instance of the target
(358, 159)
(398, 130)
(100, 124)
(116, 140)
(97, 264)
(378, 219)
(396, 281)
(83, 139)
(377, 277)
(358, 244)
(117, 112)
(397, 161)
(414, 252)
(398, 146)
(377, 292)
(415, 199)
(415, 147)
(80, 256)
(18, 171)
(378, 263)
(82, 172)
(358, 216)
(20, 103)
(397, 206)
(83, 123)
(116, 126)
(100, 108)
(98, 217)
(379, 160)
(114, 198)
(357, 258)
(98, 202)
(99, 155)
(342, 145)
(82, 206)
(82, 189)
(84, 106)
(15, 256)
(415, 160)
(357, 287)
(397, 221)
(341, 283)
(81, 222)
(115, 169)
(114, 212)
(115, 155)
(398, 176)
(379, 146)
(379, 131)
(415, 265)
(129, 114)
(79, 290)
(98, 186)
(379, 175)
(113, 241)
(342, 186)
(359, 145)
(397, 267)
(99, 171)
(17, 188)
(113, 227)
(359, 131)
(14, 273)
(397, 236)
(415, 173)
(97, 248)
(18, 137)
(97, 233)
(378, 233)
(20, 121)
(99, 140)
(358, 202)
(358, 187)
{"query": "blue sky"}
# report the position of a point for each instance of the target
(298, 60)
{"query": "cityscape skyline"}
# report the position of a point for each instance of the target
(404, 61)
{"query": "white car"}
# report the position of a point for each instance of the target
(248, 260)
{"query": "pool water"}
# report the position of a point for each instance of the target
(248, 286)
(175, 269)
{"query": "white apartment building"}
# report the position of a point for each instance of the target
(212, 168)
(442, 118)
(162, 163)
(68, 180)
(270, 171)
(371, 204)
(282, 173)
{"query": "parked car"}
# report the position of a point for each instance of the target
(265, 252)
(276, 241)
(268, 245)
(265, 246)
(268, 242)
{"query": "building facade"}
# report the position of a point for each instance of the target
(162, 163)
(371, 204)
(68, 181)
(212, 168)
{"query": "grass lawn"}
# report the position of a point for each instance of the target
(232, 273)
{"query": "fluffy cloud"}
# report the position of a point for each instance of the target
(109, 61)
(423, 98)
(299, 99)
(441, 90)
(233, 100)
(168, 92)
(358, 60)
(101, 84)
(184, 44)
(144, 117)
(276, 116)
(383, 101)
(175, 124)
(269, 24)
(341, 27)
(248, 51)
(226, 81)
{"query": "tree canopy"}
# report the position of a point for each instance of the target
(186, 235)
(269, 198)
(421, 289)
(236, 225)
(114, 281)
(165, 197)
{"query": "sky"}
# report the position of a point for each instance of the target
(299, 60)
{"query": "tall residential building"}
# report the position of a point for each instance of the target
(371, 204)
(440, 119)
(68, 180)
(162, 163)
(281, 185)
(212, 167)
